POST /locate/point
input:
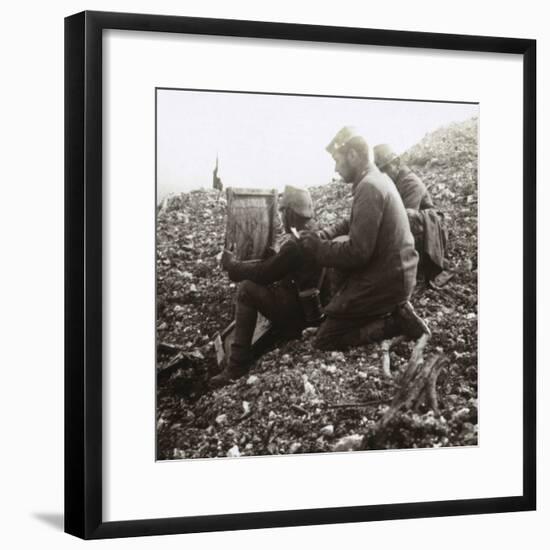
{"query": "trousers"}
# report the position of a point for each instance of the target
(341, 334)
(277, 303)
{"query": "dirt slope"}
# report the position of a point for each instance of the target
(285, 405)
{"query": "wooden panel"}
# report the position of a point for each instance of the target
(251, 221)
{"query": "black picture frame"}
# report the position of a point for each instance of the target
(83, 273)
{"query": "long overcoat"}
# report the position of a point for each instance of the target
(379, 258)
(414, 193)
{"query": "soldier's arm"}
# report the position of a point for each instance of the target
(368, 208)
(271, 270)
(335, 230)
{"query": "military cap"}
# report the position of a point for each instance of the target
(342, 138)
(298, 200)
(383, 155)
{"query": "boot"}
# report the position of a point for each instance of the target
(409, 322)
(227, 376)
(379, 329)
(238, 366)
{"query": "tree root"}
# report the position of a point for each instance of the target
(417, 386)
(386, 347)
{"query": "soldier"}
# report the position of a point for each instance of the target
(378, 258)
(425, 221)
(271, 287)
(414, 193)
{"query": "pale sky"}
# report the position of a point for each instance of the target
(270, 141)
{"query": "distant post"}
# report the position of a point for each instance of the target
(216, 180)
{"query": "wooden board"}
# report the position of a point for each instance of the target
(252, 222)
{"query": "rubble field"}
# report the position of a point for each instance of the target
(297, 399)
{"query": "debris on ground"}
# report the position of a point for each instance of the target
(290, 401)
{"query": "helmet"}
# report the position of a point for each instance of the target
(342, 138)
(383, 155)
(298, 200)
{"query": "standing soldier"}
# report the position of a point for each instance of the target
(378, 259)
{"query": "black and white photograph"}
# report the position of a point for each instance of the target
(275, 275)
(316, 274)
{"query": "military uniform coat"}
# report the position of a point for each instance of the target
(414, 193)
(293, 267)
(426, 225)
(379, 258)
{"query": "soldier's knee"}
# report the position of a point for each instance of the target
(247, 292)
(331, 336)
(332, 344)
(323, 341)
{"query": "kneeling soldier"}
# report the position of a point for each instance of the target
(378, 257)
(430, 235)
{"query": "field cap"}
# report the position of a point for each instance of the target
(383, 155)
(298, 200)
(342, 138)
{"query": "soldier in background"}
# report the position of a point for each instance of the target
(412, 190)
(425, 221)
(378, 259)
(272, 286)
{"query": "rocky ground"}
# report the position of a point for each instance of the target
(289, 402)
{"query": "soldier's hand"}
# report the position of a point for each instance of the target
(310, 241)
(228, 259)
